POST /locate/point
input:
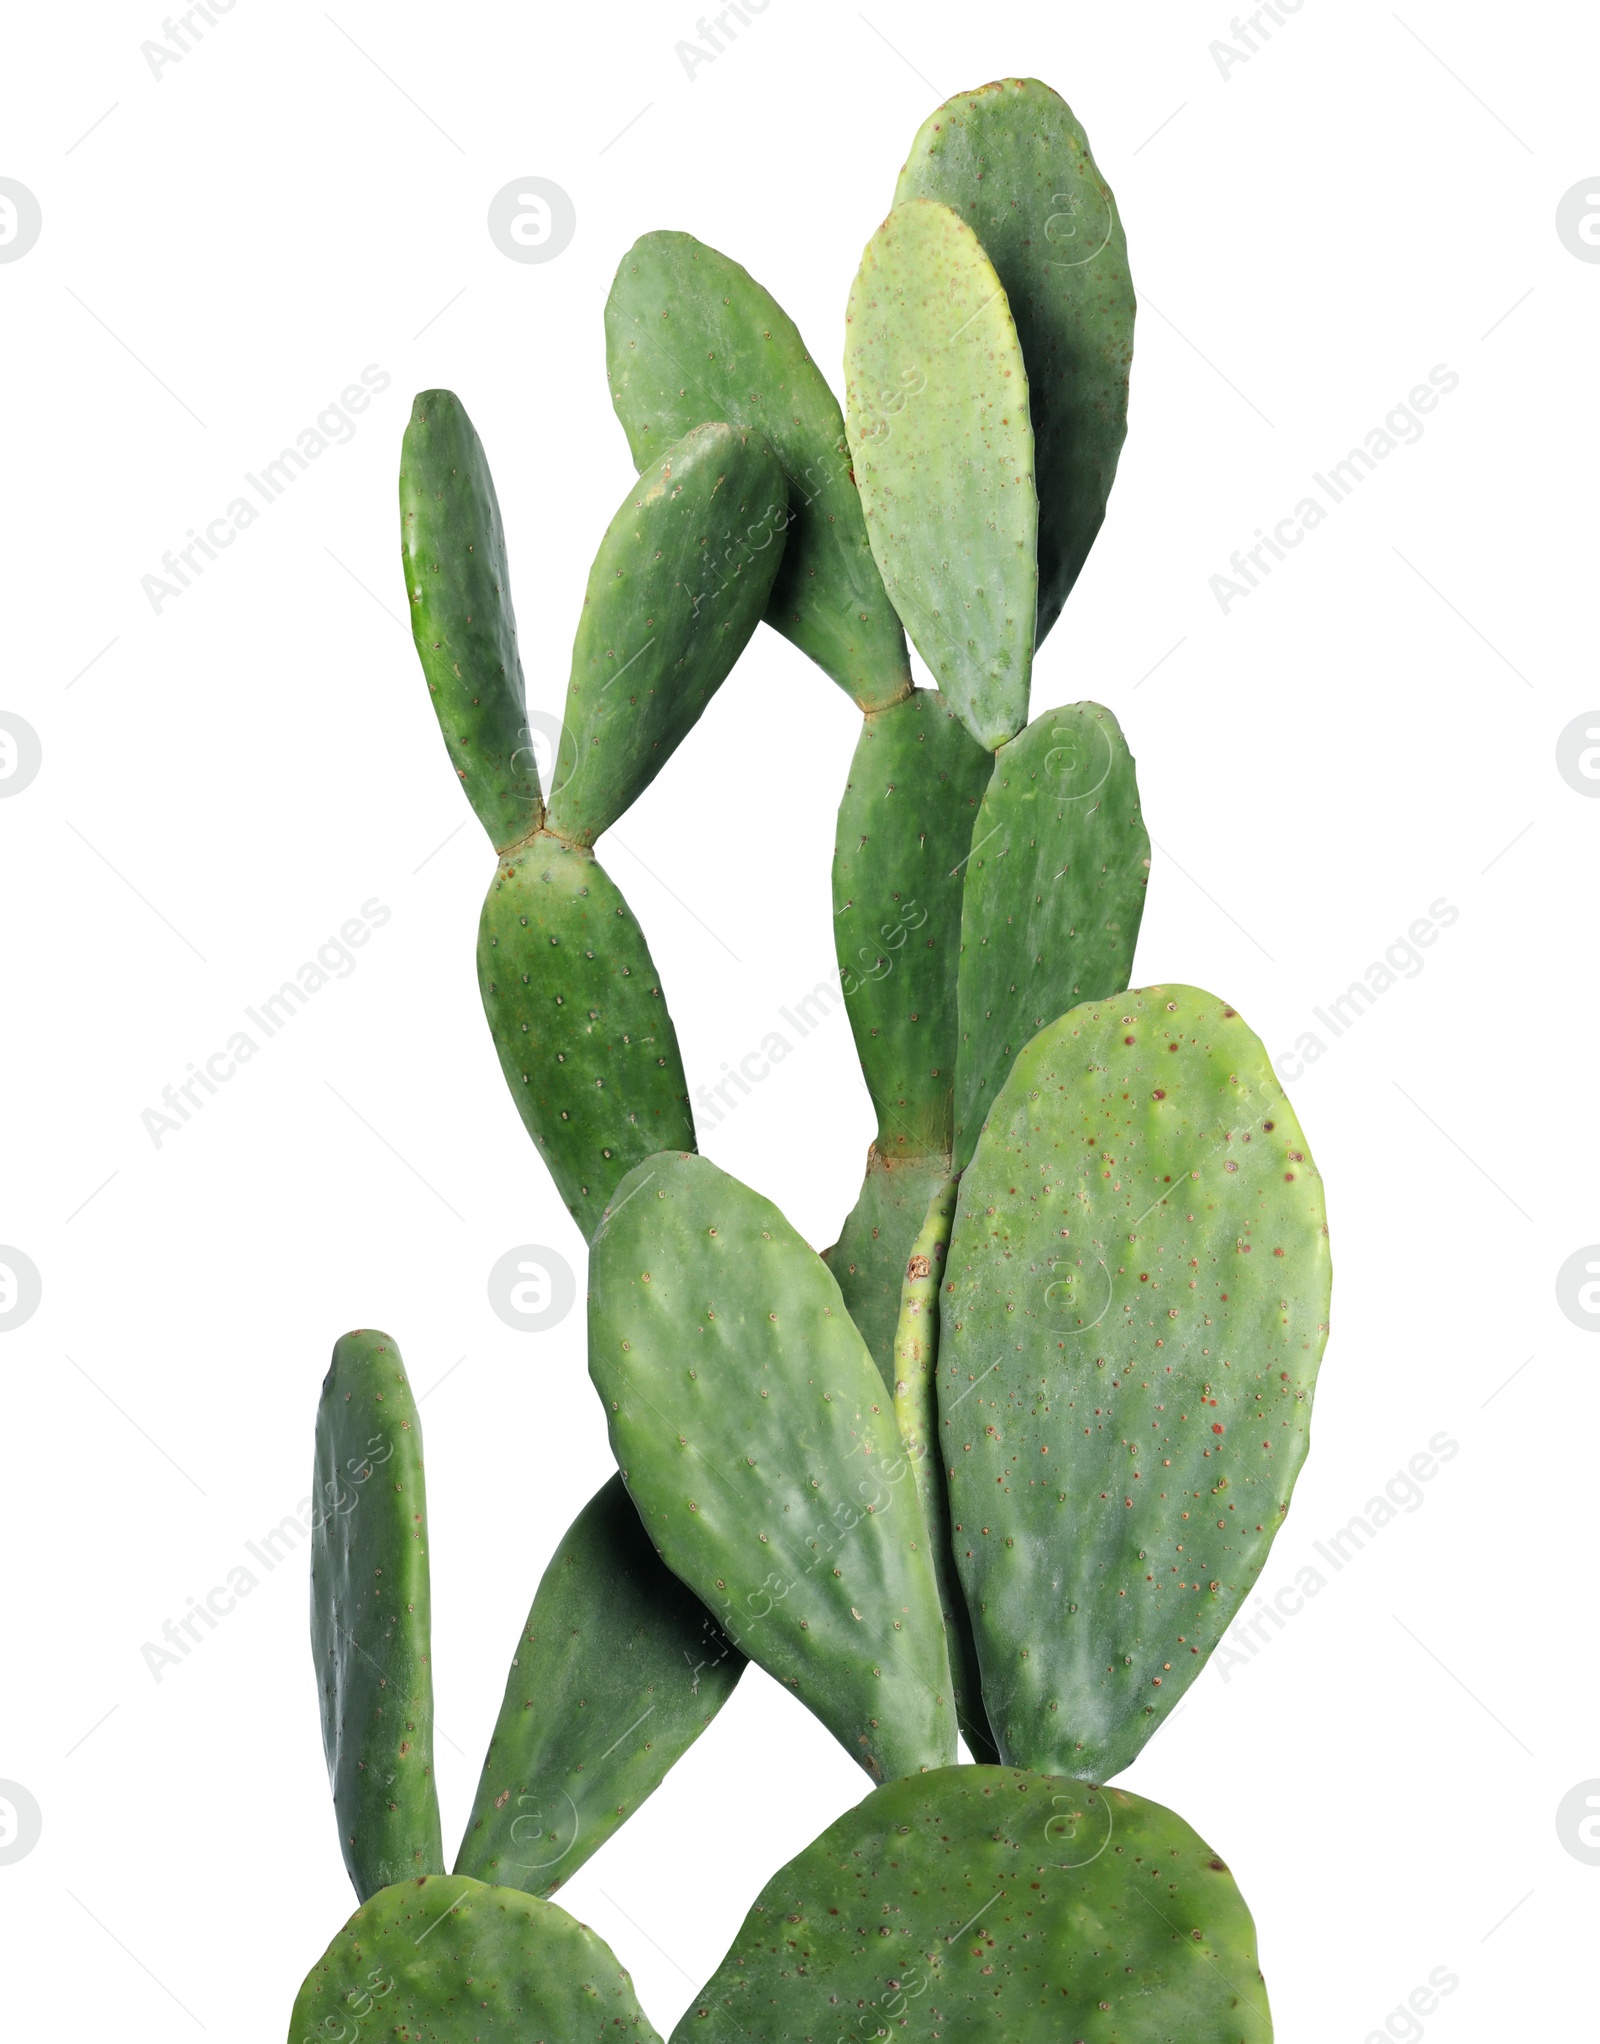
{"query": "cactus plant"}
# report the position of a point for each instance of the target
(1005, 1459)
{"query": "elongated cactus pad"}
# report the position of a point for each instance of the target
(755, 1436)
(980, 1903)
(691, 335)
(452, 1961)
(579, 1021)
(619, 1670)
(899, 858)
(869, 1259)
(370, 1615)
(678, 586)
(936, 406)
(1011, 159)
(459, 594)
(1055, 891)
(1135, 1307)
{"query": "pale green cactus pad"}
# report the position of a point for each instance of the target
(1012, 160)
(678, 585)
(755, 1436)
(691, 335)
(458, 592)
(980, 1903)
(1135, 1306)
(452, 1961)
(936, 407)
(1055, 892)
(869, 1259)
(370, 1615)
(619, 1670)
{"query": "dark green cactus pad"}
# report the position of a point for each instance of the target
(1054, 895)
(690, 335)
(1135, 1307)
(899, 859)
(1011, 159)
(936, 407)
(579, 1021)
(459, 594)
(981, 1903)
(869, 1259)
(619, 1670)
(755, 1436)
(679, 584)
(370, 1615)
(453, 1961)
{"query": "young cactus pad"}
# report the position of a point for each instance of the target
(1135, 1305)
(1054, 895)
(979, 1903)
(459, 594)
(579, 1021)
(755, 1436)
(619, 1670)
(452, 1961)
(370, 1615)
(677, 587)
(936, 406)
(869, 1259)
(691, 335)
(1011, 159)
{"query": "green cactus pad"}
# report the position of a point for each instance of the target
(755, 1436)
(619, 1670)
(1055, 890)
(980, 1903)
(580, 1022)
(370, 1615)
(678, 586)
(1014, 163)
(459, 595)
(936, 406)
(1135, 1307)
(899, 859)
(452, 1961)
(869, 1259)
(690, 335)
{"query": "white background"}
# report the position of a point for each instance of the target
(231, 779)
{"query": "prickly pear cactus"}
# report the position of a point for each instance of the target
(754, 1434)
(619, 1670)
(452, 1961)
(1136, 1302)
(370, 1615)
(983, 1902)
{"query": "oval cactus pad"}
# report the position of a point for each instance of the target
(756, 1438)
(979, 1903)
(1135, 1308)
